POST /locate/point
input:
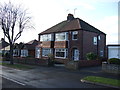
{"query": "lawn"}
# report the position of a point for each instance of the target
(102, 80)
(17, 66)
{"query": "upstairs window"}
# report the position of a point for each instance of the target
(95, 40)
(61, 36)
(46, 37)
(74, 35)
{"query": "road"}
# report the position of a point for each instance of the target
(10, 83)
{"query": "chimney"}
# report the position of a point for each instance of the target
(70, 17)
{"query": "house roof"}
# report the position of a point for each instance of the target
(33, 42)
(3, 43)
(73, 24)
(30, 45)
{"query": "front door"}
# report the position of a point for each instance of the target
(75, 54)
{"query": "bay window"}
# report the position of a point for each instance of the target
(61, 53)
(61, 36)
(46, 52)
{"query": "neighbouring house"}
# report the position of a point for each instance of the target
(17, 49)
(4, 46)
(25, 50)
(113, 51)
(70, 40)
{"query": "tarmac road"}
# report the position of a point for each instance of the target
(10, 83)
(49, 77)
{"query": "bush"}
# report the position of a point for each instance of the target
(91, 56)
(50, 60)
(114, 61)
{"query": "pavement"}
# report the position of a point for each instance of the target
(55, 77)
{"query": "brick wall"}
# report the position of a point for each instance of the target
(61, 44)
(85, 63)
(32, 61)
(111, 68)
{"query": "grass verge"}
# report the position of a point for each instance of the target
(17, 66)
(102, 80)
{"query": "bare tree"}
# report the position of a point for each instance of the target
(12, 16)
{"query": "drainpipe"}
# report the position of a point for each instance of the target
(98, 44)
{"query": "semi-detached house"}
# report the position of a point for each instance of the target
(71, 39)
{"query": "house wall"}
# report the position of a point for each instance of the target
(31, 53)
(84, 44)
(88, 45)
(47, 44)
(61, 44)
(75, 44)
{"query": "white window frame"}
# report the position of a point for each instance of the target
(50, 51)
(95, 40)
(65, 50)
(66, 36)
(24, 53)
(14, 52)
(49, 37)
(99, 37)
(73, 33)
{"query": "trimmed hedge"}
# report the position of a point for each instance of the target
(114, 61)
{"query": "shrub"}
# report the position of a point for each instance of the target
(50, 60)
(91, 56)
(114, 61)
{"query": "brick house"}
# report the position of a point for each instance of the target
(24, 50)
(71, 39)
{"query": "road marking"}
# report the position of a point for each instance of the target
(13, 80)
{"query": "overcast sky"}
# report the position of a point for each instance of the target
(102, 14)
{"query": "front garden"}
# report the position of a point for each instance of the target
(102, 81)
(17, 66)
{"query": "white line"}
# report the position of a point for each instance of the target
(12, 80)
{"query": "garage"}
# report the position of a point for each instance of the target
(113, 51)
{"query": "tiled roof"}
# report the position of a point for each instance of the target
(69, 25)
(30, 45)
(33, 42)
(3, 44)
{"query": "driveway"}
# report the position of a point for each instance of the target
(54, 77)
